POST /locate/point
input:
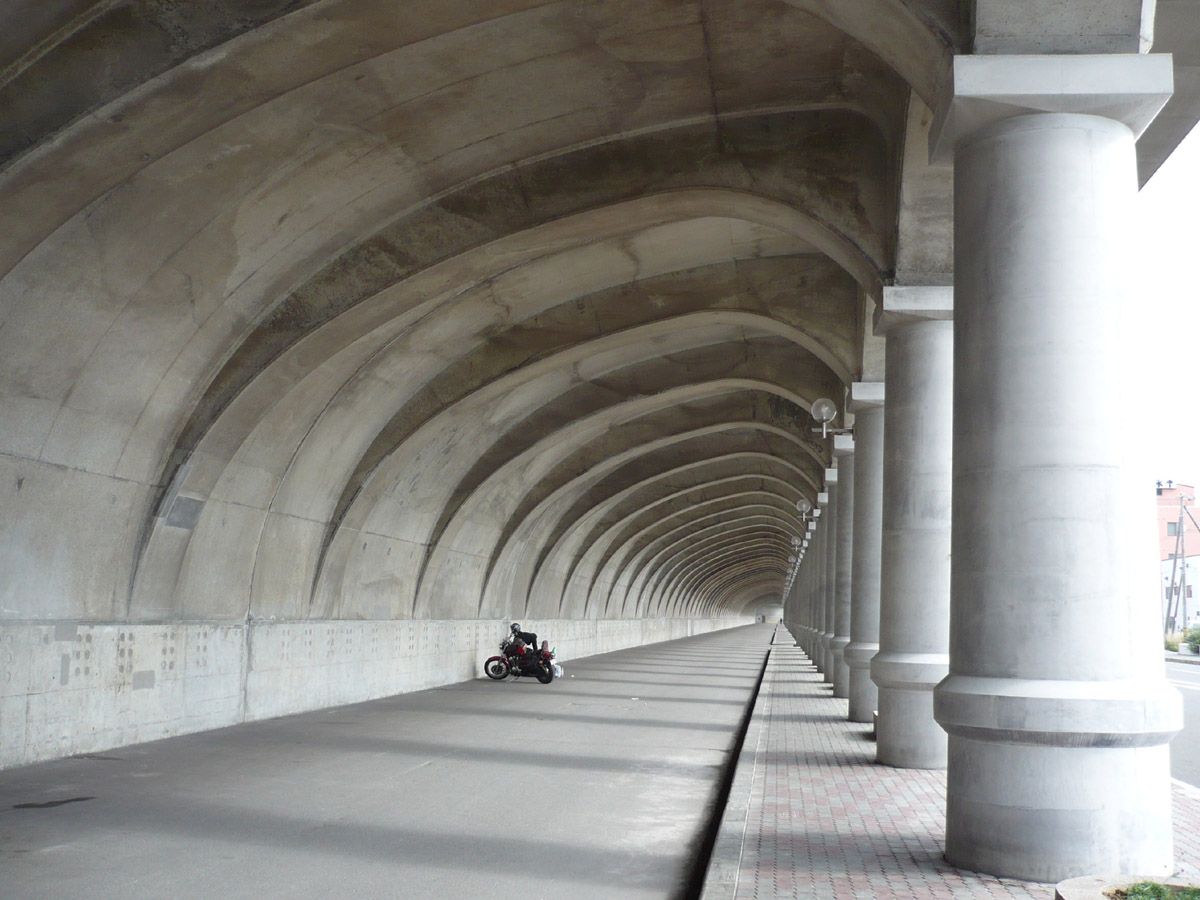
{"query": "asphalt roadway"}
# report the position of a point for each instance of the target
(599, 785)
(1185, 747)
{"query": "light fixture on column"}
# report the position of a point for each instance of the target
(804, 507)
(824, 411)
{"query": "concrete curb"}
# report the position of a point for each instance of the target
(721, 876)
(1188, 659)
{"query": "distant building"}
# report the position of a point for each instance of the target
(1179, 549)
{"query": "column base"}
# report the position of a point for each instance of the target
(863, 695)
(841, 671)
(826, 663)
(906, 736)
(1050, 813)
(1052, 779)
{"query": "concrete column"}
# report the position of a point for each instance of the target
(814, 592)
(803, 591)
(843, 452)
(1056, 705)
(914, 597)
(801, 609)
(829, 524)
(866, 402)
(826, 578)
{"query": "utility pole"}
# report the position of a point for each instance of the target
(1177, 593)
(1172, 596)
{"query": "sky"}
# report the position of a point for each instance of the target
(1168, 376)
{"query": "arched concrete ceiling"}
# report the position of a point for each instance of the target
(337, 308)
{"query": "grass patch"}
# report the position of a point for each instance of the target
(1154, 890)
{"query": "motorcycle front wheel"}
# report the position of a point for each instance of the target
(545, 674)
(496, 667)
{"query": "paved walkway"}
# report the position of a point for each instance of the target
(421, 795)
(812, 816)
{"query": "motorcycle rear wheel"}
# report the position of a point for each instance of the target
(496, 668)
(545, 674)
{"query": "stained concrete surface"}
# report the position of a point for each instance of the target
(598, 785)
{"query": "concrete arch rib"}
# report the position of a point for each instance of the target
(298, 481)
(733, 538)
(481, 513)
(916, 41)
(536, 400)
(733, 560)
(677, 599)
(683, 550)
(445, 388)
(250, 326)
(715, 574)
(608, 581)
(574, 536)
(633, 562)
(377, 81)
(742, 594)
(520, 572)
(761, 557)
(512, 413)
(500, 279)
(748, 582)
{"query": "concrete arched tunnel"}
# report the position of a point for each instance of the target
(335, 335)
(381, 343)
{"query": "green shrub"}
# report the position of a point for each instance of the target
(1147, 890)
(1153, 890)
(1192, 636)
(1171, 645)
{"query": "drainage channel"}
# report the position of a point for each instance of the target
(705, 881)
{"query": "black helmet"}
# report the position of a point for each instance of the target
(515, 628)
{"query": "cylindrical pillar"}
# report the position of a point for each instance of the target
(809, 562)
(829, 525)
(914, 599)
(866, 402)
(806, 606)
(843, 451)
(826, 636)
(815, 595)
(1056, 706)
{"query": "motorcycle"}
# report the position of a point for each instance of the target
(522, 660)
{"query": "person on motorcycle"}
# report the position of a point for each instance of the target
(528, 638)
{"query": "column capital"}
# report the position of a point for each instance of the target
(902, 305)
(831, 477)
(843, 445)
(865, 395)
(822, 500)
(1130, 88)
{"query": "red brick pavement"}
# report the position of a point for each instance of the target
(825, 822)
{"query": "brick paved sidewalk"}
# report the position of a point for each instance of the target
(823, 822)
